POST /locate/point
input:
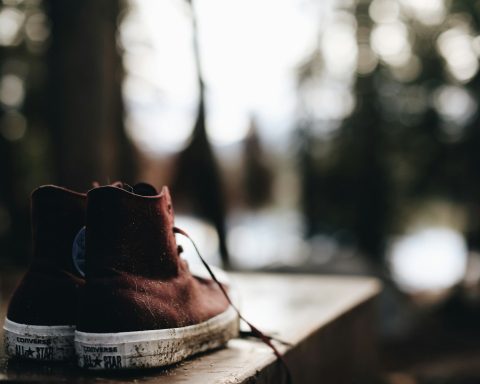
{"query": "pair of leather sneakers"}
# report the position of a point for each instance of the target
(133, 304)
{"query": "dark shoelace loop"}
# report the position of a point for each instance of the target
(254, 331)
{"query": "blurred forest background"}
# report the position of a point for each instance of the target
(331, 136)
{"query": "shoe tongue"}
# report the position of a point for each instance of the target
(122, 185)
(144, 189)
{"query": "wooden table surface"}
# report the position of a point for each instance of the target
(328, 321)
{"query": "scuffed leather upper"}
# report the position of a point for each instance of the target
(135, 277)
(47, 295)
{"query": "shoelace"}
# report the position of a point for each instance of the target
(254, 331)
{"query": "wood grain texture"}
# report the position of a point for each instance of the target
(329, 322)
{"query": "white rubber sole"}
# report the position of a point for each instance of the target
(39, 342)
(154, 348)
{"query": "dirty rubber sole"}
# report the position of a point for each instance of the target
(39, 342)
(153, 348)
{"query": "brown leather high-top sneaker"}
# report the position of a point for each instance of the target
(41, 317)
(141, 306)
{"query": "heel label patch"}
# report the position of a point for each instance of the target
(102, 361)
(38, 353)
(45, 348)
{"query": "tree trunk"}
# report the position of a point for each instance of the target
(85, 103)
(197, 181)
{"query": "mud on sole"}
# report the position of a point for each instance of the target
(153, 348)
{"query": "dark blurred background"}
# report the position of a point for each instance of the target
(335, 136)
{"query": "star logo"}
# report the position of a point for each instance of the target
(97, 362)
(29, 352)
